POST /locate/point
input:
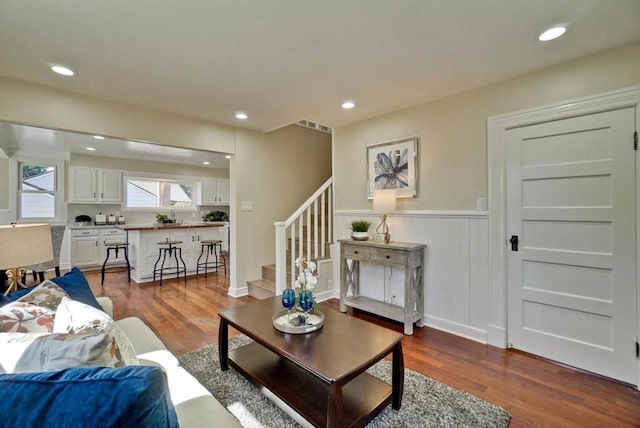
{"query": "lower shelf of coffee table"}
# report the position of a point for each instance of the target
(363, 397)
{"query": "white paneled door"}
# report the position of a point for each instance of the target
(571, 272)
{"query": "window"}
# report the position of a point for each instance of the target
(154, 193)
(37, 190)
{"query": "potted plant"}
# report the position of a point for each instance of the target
(162, 218)
(359, 229)
(216, 216)
(83, 220)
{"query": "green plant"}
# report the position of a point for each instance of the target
(216, 216)
(161, 217)
(360, 225)
(82, 218)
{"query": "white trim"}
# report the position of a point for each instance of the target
(497, 127)
(238, 292)
(60, 209)
(465, 331)
(419, 213)
(321, 296)
(638, 243)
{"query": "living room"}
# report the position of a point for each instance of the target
(463, 296)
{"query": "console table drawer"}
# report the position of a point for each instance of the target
(356, 252)
(387, 256)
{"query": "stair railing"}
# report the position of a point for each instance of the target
(311, 246)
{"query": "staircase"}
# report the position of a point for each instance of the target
(306, 233)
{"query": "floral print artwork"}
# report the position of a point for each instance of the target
(392, 170)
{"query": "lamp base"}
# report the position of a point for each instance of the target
(14, 276)
(385, 229)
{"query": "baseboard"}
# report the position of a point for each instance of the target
(461, 330)
(324, 295)
(497, 336)
(238, 292)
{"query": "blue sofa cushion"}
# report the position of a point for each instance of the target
(132, 396)
(74, 283)
(77, 287)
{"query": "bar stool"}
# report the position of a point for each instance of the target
(171, 248)
(116, 247)
(211, 246)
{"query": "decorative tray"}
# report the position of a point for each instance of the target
(282, 321)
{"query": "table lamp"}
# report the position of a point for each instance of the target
(384, 202)
(23, 245)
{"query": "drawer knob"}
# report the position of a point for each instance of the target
(355, 252)
(388, 256)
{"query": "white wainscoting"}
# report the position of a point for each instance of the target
(457, 265)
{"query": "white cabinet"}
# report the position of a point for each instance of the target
(215, 192)
(84, 247)
(223, 235)
(88, 249)
(110, 185)
(145, 249)
(94, 185)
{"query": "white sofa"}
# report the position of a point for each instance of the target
(195, 406)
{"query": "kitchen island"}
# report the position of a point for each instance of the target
(144, 249)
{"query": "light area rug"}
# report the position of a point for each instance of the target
(425, 403)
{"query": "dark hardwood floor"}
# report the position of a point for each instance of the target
(535, 391)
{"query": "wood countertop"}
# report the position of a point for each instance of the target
(129, 227)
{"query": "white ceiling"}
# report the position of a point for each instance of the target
(285, 60)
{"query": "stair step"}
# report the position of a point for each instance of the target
(262, 288)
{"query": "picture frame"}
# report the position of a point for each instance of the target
(393, 165)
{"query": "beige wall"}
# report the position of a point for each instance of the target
(37, 105)
(452, 131)
(277, 172)
(146, 166)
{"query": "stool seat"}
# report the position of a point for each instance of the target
(116, 244)
(211, 246)
(170, 243)
(116, 247)
(171, 248)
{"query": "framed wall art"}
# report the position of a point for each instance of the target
(393, 165)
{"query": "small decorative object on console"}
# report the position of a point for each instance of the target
(359, 229)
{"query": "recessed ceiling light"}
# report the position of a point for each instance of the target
(552, 33)
(62, 70)
(206, 163)
(91, 149)
(242, 116)
(348, 105)
(227, 157)
(98, 137)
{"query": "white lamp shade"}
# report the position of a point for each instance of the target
(384, 201)
(25, 244)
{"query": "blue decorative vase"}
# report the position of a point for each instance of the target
(288, 298)
(306, 300)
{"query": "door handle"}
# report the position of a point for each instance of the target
(514, 242)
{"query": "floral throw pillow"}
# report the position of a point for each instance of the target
(24, 317)
(74, 317)
(47, 295)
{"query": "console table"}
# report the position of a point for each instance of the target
(407, 256)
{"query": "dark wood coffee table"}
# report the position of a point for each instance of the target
(321, 375)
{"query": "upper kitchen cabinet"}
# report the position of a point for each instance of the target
(214, 191)
(88, 185)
